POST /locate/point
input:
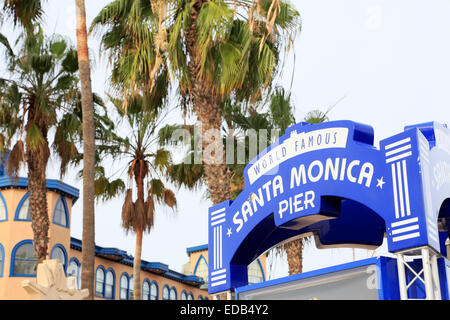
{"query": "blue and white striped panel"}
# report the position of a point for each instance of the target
(218, 275)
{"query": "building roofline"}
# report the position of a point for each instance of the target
(202, 247)
(120, 256)
(52, 184)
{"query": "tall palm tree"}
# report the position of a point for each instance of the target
(216, 49)
(88, 238)
(41, 86)
(146, 167)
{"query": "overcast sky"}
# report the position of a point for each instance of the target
(389, 59)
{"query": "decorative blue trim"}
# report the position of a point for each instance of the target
(185, 294)
(122, 257)
(52, 184)
(176, 293)
(66, 212)
(149, 288)
(13, 258)
(304, 275)
(2, 256)
(202, 247)
(168, 292)
(113, 285)
(262, 270)
(198, 262)
(100, 294)
(19, 206)
(190, 295)
(58, 245)
(157, 289)
(6, 208)
(75, 260)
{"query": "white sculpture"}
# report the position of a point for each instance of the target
(52, 284)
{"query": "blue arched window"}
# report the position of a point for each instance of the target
(146, 290)
(110, 280)
(23, 211)
(130, 288)
(255, 272)
(23, 260)
(100, 282)
(74, 270)
(3, 209)
(183, 295)
(61, 213)
(154, 291)
(59, 253)
(200, 297)
(124, 285)
(201, 269)
(190, 296)
(173, 294)
(166, 292)
(2, 259)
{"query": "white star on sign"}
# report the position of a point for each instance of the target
(380, 183)
(229, 232)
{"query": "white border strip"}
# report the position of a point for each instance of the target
(395, 144)
(403, 222)
(400, 156)
(406, 236)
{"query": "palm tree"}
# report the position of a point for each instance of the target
(88, 239)
(146, 167)
(23, 12)
(216, 49)
(41, 86)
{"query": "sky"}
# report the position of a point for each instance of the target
(386, 61)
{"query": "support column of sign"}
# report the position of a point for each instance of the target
(429, 275)
(406, 225)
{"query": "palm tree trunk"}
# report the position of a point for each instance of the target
(88, 240)
(137, 266)
(207, 107)
(139, 178)
(37, 188)
(294, 252)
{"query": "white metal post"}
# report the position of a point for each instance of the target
(435, 273)
(427, 273)
(402, 277)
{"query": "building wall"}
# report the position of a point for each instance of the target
(13, 232)
(119, 269)
(196, 256)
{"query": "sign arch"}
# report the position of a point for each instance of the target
(330, 180)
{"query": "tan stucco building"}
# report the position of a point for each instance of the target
(114, 267)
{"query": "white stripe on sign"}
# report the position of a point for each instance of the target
(406, 236)
(218, 272)
(405, 229)
(400, 189)
(403, 222)
(398, 150)
(405, 181)
(218, 216)
(215, 248)
(217, 222)
(220, 247)
(217, 212)
(223, 276)
(398, 143)
(215, 284)
(394, 187)
(400, 156)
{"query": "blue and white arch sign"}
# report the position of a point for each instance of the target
(329, 180)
